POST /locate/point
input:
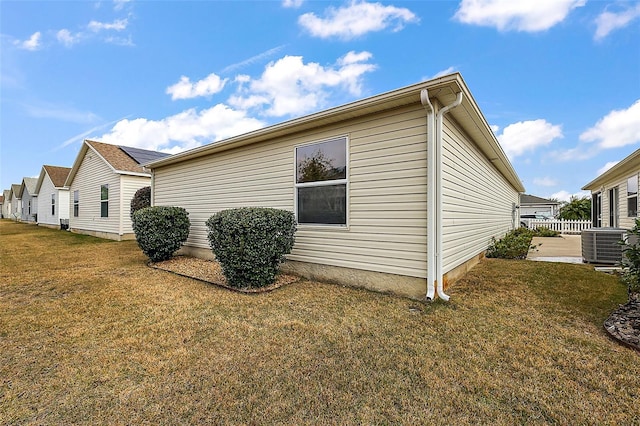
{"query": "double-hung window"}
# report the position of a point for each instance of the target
(104, 200)
(76, 203)
(632, 196)
(321, 182)
(53, 204)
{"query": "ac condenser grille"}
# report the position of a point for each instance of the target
(602, 245)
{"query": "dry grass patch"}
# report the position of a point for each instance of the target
(211, 272)
(89, 334)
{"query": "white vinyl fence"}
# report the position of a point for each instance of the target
(562, 226)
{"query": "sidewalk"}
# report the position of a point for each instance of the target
(564, 249)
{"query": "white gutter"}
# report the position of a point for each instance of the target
(438, 191)
(431, 196)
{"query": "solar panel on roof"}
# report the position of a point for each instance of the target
(143, 156)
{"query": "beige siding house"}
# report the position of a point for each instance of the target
(28, 199)
(614, 194)
(530, 204)
(15, 203)
(398, 192)
(102, 182)
(53, 196)
(6, 204)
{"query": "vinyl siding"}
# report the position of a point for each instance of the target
(16, 207)
(26, 199)
(129, 186)
(92, 173)
(624, 221)
(44, 204)
(477, 200)
(386, 192)
(63, 204)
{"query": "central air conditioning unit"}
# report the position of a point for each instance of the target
(602, 245)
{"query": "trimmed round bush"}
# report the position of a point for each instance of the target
(250, 243)
(161, 231)
(140, 200)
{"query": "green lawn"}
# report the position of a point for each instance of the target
(90, 335)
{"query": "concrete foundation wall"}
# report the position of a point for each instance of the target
(411, 287)
(105, 235)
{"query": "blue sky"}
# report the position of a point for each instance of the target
(558, 80)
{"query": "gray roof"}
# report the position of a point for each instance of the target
(532, 199)
(30, 184)
(143, 156)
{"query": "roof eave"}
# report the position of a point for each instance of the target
(443, 88)
(623, 167)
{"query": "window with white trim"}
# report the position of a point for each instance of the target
(632, 196)
(321, 183)
(53, 204)
(76, 203)
(104, 200)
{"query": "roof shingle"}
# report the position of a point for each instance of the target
(57, 174)
(116, 157)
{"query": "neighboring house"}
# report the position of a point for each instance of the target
(102, 182)
(6, 206)
(16, 205)
(614, 194)
(1, 205)
(532, 205)
(363, 180)
(53, 196)
(29, 200)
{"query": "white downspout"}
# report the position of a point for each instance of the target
(438, 202)
(431, 196)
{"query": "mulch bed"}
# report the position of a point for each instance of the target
(624, 323)
(210, 271)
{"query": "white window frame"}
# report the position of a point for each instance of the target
(344, 181)
(76, 203)
(53, 204)
(104, 201)
(632, 195)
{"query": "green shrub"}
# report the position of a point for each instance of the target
(631, 259)
(543, 231)
(250, 243)
(140, 200)
(161, 231)
(515, 245)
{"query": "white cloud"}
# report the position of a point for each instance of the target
(356, 19)
(117, 25)
(65, 37)
(441, 73)
(545, 181)
(120, 41)
(81, 136)
(32, 43)
(606, 167)
(566, 196)
(287, 86)
(252, 59)
(607, 21)
(119, 4)
(519, 15)
(185, 89)
(523, 136)
(495, 128)
(292, 3)
(291, 87)
(182, 131)
(618, 128)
